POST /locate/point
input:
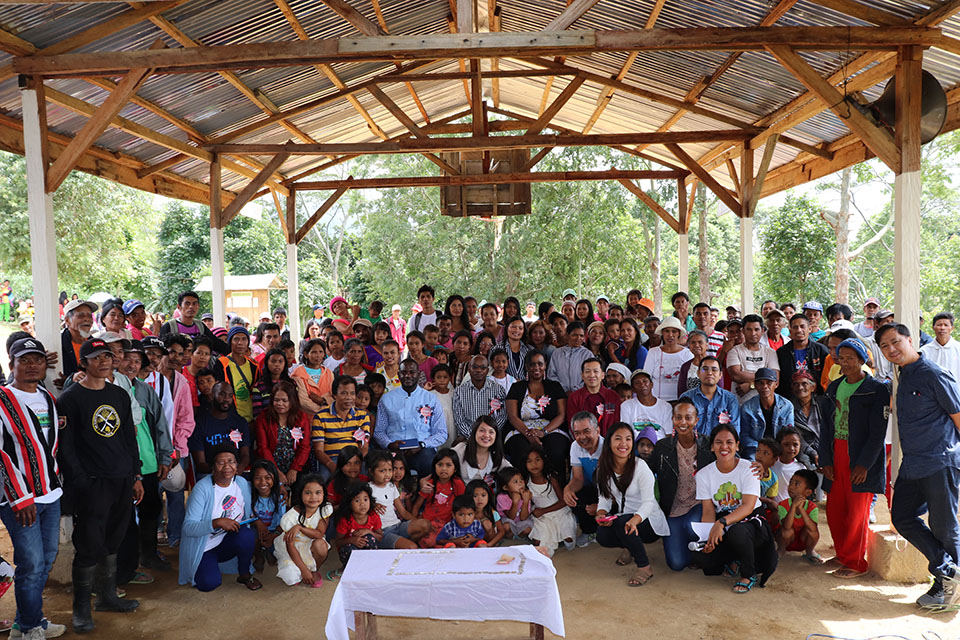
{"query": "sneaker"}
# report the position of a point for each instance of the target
(584, 539)
(873, 515)
(34, 634)
(569, 544)
(934, 598)
(51, 630)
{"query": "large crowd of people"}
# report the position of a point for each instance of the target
(467, 426)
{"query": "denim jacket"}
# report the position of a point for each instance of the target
(753, 425)
(709, 411)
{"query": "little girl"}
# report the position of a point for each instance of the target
(513, 502)
(348, 471)
(404, 482)
(553, 521)
(437, 492)
(488, 517)
(499, 361)
(358, 524)
(304, 547)
(268, 509)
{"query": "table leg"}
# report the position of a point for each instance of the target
(366, 625)
(536, 631)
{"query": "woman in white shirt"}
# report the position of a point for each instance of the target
(481, 456)
(626, 487)
(729, 491)
(663, 363)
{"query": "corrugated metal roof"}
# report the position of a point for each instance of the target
(753, 87)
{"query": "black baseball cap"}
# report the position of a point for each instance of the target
(206, 316)
(23, 346)
(93, 347)
(153, 342)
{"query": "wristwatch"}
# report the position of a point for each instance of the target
(137, 478)
(722, 520)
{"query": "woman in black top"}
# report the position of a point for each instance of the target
(536, 411)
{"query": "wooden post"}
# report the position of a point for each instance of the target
(536, 631)
(293, 278)
(746, 265)
(216, 246)
(906, 206)
(683, 260)
(43, 238)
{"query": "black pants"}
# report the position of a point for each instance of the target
(741, 542)
(102, 511)
(616, 536)
(586, 496)
(555, 444)
(129, 553)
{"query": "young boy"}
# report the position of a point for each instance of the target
(444, 325)
(624, 391)
(646, 439)
(499, 362)
(464, 530)
(431, 335)
(289, 352)
(378, 386)
(205, 381)
(798, 516)
(768, 453)
(401, 529)
(440, 354)
(335, 355)
(442, 375)
(788, 464)
(364, 397)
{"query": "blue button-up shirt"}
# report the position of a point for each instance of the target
(410, 416)
(926, 397)
(709, 411)
(753, 424)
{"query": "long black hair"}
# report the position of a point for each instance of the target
(464, 316)
(270, 468)
(548, 470)
(472, 486)
(590, 315)
(350, 492)
(340, 481)
(605, 466)
(296, 497)
(445, 452)
(496, 451)
(266, 379)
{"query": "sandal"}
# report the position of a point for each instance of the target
(334, 574)
(732, 570)
(847, 573)
(813, 558)
(744, 585)
(639, 578)
(250, 582)
(624, 558)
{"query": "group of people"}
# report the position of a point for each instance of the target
(467, 427)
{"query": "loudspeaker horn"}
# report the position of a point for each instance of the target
(933, 107)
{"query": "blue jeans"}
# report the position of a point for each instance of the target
(675, 546)
(422, 461)
(34, 550)
(176, 509)
(938, 494)
(235, 544)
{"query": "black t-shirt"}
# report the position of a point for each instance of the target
(211, 432)
(99, 438)
(551, 390)
(768, 420)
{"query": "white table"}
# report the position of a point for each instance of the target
(445, 584)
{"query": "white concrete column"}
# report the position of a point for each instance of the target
(293, 293)
(746, 265)
(683, 262)
(217, 273)
(906, 268)
(43, 238)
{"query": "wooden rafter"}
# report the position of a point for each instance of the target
(162, 165)
(734, 177)
(291, 217)
(250, 189)
(354, 17)
(493, 23)
(411, 126)
(321, 210)
(489, 178)
(574, 10)
(863, 12)
(705, 177)
(281, 212)
(216, 204)
(466, 75)
(652, 204)
(762, 171)
(879, 141)
(550, 113)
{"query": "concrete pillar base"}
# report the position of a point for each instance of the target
(893, 561)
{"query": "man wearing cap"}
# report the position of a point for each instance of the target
(239, 370)
(136, 315)
(566, 361)
(481, 395)
(593, 397)
(744, 360)
(733, 311)
(943, 349)
(112, 317)
(30, 503)
(603, 308)
(681, 310)
(814, 311)
(775, 322)
(207, 320)
(280, 318)
(188, 304)
(569, 294)
(883, 368)
(870, 308)
(26, 324)
(78, 326)
(714, 405)
(615, 375)
(928, 416)
(800, 353)
(764, 414)
(101, 465)
(645, 410)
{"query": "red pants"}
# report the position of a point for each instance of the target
(848, 513)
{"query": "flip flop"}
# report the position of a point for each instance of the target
(251, 583)
(334, 574)
(316, 584)
(638, 579)
(846, 573)
(813, 558)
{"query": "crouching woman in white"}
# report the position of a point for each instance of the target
(626, 484)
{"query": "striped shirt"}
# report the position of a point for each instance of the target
(336, 433)
(469, 403)
(714, 342)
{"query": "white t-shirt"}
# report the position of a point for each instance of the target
(227, 503)
(446, 401)
(659, 416)
(386, 495)
(784, 473)
(580, 457)
(332, 363)
(664, 370)
(425, 319)
(506, 382)
(37, 402)
(726, 490)
(749, 360)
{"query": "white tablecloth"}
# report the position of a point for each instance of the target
(447, 584)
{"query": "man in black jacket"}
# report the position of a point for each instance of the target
(101, 464)
(800, 353)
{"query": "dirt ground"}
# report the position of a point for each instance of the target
(799, 600)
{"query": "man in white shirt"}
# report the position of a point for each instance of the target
(744, 359)
(883, 367)
(943, 349)
(428, 315)
(645, 410)
(580, 494)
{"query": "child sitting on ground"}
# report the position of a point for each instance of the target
(401, 530)
(358, 524)
(437, 492)
(513, 502)
(405, 483)
(791, 460)
(768, 452)
(347, 471)
(304, 547)
(464, 530)
(483, 500)
(499, 361)
(553, 521)
(798, 516)
(268, 509)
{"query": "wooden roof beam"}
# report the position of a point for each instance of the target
(232, 209)
(354, 17)
(493, 22)
(863, 12)
(411, 126)
(574, 10)
(550, 113)
(321, 210)
(162, 165)
(488, 178)
(652, 204)
(704, 176)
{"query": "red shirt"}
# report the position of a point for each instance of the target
(605, 405)
(192, 381)
(348, 526)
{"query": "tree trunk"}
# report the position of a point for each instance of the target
(842, 232)
(703, 261)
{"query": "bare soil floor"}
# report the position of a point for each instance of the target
(799, 600)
